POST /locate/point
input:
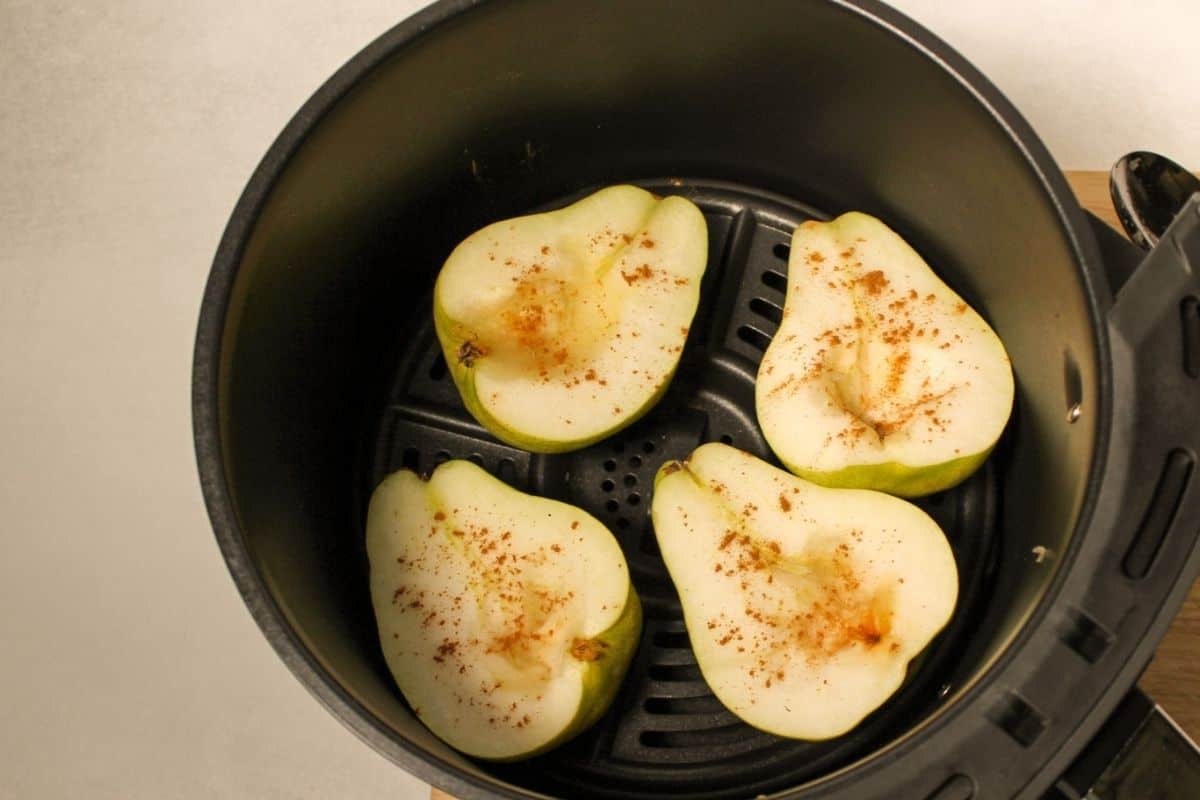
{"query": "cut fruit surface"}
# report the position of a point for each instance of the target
(804, 605)
(507, 620)
(563, 327)
(880, 376)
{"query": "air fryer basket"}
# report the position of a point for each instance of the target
(317, 371)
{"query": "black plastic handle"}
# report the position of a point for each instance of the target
(1154, 331)
(1149, 504)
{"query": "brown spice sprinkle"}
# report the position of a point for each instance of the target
(885, 407)
(531, 616)
(837, 611)
(641, 273)
(874, 282)
(784, 504)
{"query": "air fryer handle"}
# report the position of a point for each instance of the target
(1150, 492)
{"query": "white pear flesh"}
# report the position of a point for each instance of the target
(563, 327)
(507, 620)
(880, 376)
(804, 605)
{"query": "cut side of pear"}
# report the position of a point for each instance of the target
(804, 605)
(563, 327)
(507, 620)
(880, 376)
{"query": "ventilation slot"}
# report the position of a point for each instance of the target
(411, 459)
(1190, 310)
(705, 704)
(754, 337)
(674, 673)
(727, 734)
(672, 640)
(767, 310)
(1086, 637)
(782, 251)
(1018, 719)
(775, 280)
(1159, 516)
(960, 787)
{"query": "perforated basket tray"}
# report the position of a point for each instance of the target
(667, 735)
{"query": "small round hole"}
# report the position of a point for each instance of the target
(507, 471)
(475, 459)
(610, 465)
(622, 523)
(612, 505)
(726, 439)
(648, 447)
(607, 486)
(634, 499)
(441, 457)
(635, 462)
(631, 479)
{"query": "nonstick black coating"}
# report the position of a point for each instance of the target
(667, 734)
(478, 111)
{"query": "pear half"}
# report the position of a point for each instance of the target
(880, 376)
(561, 328)
(804, 605)
(507, 620)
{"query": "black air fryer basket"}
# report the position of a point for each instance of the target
(317, 372)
